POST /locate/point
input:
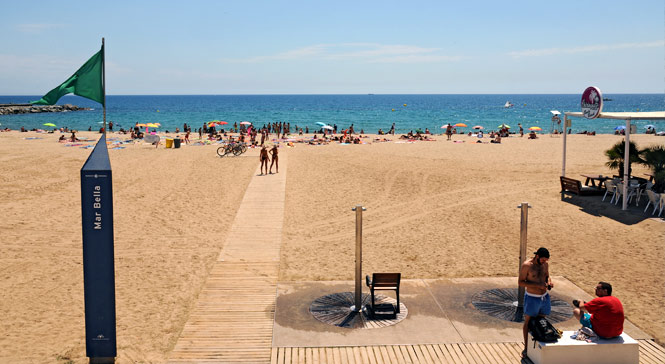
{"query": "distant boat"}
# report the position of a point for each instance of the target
(606, 99)
(508, 104)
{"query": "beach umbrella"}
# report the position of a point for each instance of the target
(320, 123)
(153, 125)
(620, 127)
(649, 127)
(245, 123)
(327, 127)
(141, 125)
(535, 128)
(460, 125)
(503, 126)
(49, 124)
(478, 127)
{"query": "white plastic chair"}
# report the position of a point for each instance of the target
(642, 190)
(632, 189)
(662, 204)
(610, 187)
(654, 199)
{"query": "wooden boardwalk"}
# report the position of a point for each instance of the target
(462, 353)
(233, 318)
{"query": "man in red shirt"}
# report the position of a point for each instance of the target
(605, 315)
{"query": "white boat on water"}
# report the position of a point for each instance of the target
(508, 104)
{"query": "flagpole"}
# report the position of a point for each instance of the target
(104, 83)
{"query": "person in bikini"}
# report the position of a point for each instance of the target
(535, 277)
(275, 161)
(264, 158)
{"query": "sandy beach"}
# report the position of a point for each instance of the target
(434, 209)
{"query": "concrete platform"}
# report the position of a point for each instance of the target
(440, 311)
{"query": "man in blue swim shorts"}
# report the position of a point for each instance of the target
(535, 277)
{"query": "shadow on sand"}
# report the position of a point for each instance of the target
(594, 205)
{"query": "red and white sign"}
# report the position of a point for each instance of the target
(592, 102)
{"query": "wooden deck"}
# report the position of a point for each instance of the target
(233, 318)
(462, 353)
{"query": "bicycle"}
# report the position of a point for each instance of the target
(235, 148)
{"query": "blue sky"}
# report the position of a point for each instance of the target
(333, 47)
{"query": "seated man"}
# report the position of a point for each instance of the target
(532, 135)
(605, 315)
(496, 140)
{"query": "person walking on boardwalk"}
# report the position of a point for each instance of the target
(275, 159)
(535, 277)
(264, 158)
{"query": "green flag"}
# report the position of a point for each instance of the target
(86, 82)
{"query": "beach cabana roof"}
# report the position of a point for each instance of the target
(637, 115)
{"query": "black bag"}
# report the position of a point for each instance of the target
(543, 331)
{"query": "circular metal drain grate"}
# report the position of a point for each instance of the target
(335, 309)
(502, 303)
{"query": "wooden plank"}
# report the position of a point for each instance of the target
(442, 356)
(391, 354)
(398, 354)
(460, 354)
(414, 356)
(469, 353)
(356, 355)
(377, 355)
(432, 353)
(406, 355)
(330, 356)
(425, 355)
(337, 356)
(651, 351)
(482, 357)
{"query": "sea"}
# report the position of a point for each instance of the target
(367, 112)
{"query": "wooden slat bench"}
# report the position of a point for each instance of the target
(575, 186)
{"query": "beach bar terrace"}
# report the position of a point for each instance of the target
(592, 106)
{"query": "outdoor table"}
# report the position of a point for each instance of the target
(593, 178)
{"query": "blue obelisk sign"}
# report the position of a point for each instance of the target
(98, 267)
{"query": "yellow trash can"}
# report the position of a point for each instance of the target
(169, 143)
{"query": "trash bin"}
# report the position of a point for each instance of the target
(176, 143)
(169, 143)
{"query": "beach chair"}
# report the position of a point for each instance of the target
(654, 199)
(610, 188)
(642, 190)
(662, 204)
(384, 282)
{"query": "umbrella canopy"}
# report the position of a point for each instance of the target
(153, 125)
(327, 127)
(49, 124)
(478, 127)
(503, 126)
(216, 122)
(620, 127)
(460, 125)
(245, 123)
(320, 123)
(141, 125)
(649, 127)
(535, 128)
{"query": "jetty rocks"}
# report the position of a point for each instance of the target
(8, 109)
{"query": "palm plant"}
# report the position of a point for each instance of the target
(616, 154)
(654, 157)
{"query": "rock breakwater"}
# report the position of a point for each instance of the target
(8, 109)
